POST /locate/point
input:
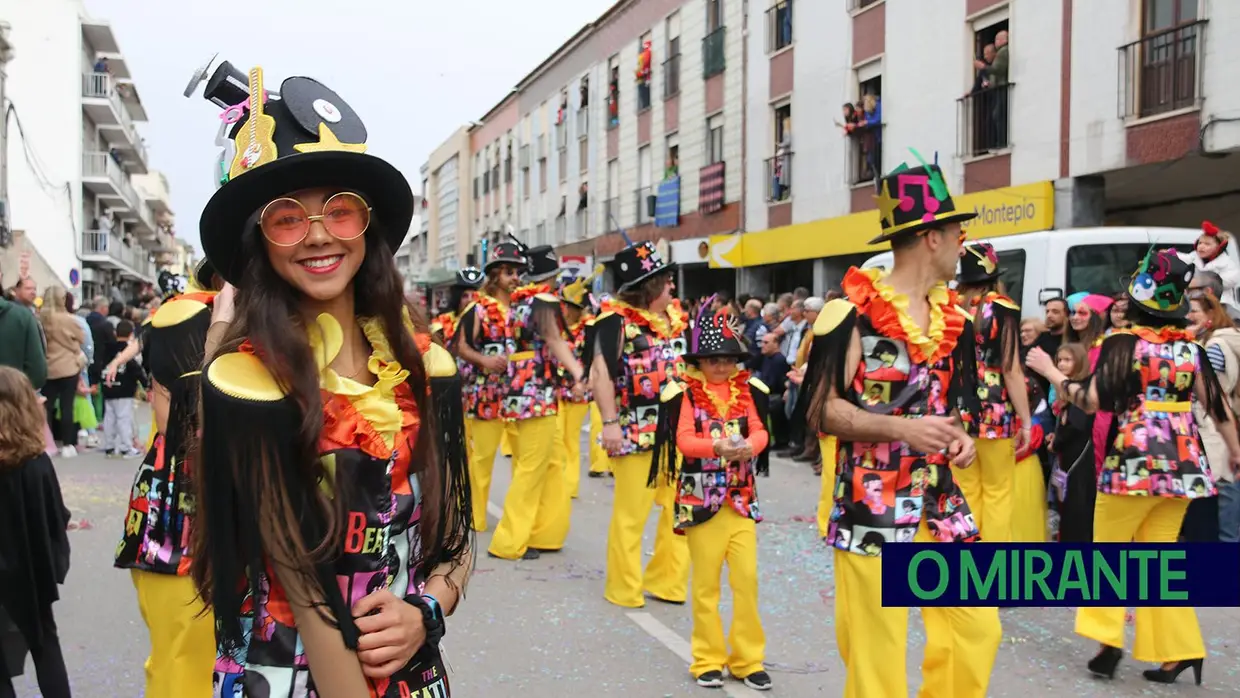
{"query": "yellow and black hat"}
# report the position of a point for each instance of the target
(913, 200)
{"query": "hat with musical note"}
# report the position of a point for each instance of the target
(305, 136)
(979, 264)
(639, 262)
(1160, 284)
(913, 200)
(574, 292)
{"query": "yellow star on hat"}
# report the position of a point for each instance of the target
(886, 204)
(328, 141)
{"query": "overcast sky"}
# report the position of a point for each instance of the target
(414, 70)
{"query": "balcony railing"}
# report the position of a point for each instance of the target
(713, 61)
(641, 198)
(865, 154)
(984, 121)
(779, 26)
(583, 122)
(102, 86)
(611, 213)
(779, 178)
(99, 165)
(854, 5)
(671, 77)
(100, 243)
(1162, 72)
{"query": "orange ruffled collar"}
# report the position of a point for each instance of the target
(529, 291)
(739, 397)
(667, 328)
(887, 310)
(1159, 335)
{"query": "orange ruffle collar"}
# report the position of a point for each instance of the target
(887, 310)
(1159, 335)
(667, 328)
(529, 291)
(739, 397)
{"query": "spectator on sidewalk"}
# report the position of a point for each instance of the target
(21, 345)
(772, 369)
(65, 362)
(119, 429)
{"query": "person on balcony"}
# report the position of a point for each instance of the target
(1211, 255)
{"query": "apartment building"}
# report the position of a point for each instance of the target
(634, 124)
(1043, 115)
(74, 149)
(443, 242)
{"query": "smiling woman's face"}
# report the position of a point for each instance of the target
(321, 266)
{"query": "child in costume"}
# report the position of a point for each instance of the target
(333, 522)
(714, 417)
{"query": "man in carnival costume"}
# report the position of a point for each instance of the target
(574, 405)
(484, 339)
(716, 492)
(155, 542)
(891, 372)
(537, 506)
(639, 338)
(460, 296)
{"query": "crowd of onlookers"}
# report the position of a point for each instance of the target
(63, 350)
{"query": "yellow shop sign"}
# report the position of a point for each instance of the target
(1008, 211)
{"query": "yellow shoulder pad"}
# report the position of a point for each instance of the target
(439, 362)
(759, 385)
(673, 389)
(244, 376)
(436, 327)
(1005, 302)
(468, 308)
(962, 310)
(602, 316)
(832, 315)
(176, 311)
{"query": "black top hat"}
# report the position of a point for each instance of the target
(979, 264)
(204, 274)
(469, 277)
(717, 333)
(914, 200)
(638, 262)
(1160, 284)
(544, 263)
(305, 136)
(170, 284)
(509, 253)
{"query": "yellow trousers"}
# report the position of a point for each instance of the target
(961, 643)
(537, 503)
(667, 574)
(505, 442)
(182, 659)
(987, 486)
(598, 455)
(1029, 502)
(827, 445)
(484, 437)
(1163, 634)
(568, 442)
(732, 538)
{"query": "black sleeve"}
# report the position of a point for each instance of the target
(608, 339)
(663, 457)
(762, 402)
(1007, 321)
(466, 329)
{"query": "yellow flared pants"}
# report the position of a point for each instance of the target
(182, 659)
(536, 507)
(484, 436)
(961, 643)
(568, 442)
(598, 455)
(505, 442)
(1029, 502)
(1163, 634)
(731, 538)
(667, 574)
(828, 446)
(987, 486)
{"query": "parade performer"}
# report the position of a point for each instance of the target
(460, 296)
(484, 339)
(714, 418)
(333, 532)
(889, 363)
(574, 301)
(155, 542)
(639, 338)
(1148, 375)
(1001, 391)
(1029, 477)
(537, 506)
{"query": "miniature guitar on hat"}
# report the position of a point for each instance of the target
(255, 144)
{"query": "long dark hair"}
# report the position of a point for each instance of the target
(282, 496)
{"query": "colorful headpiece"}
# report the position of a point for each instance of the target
(1160, 284)
(575, 291)
(1212, 231)
(979, 264)
(718, 333)
(914, 200)
(638, 262)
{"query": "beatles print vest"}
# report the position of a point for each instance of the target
(648, 362)
(532, 375)
(484, 395)
(997, 412)
(704, 485)
(576, 340)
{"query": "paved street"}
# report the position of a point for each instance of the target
(541, 628)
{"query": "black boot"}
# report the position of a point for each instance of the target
(1103, 664)
(1161, 675)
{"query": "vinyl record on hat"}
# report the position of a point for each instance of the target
(311, 103)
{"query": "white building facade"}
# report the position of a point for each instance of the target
(74, 149)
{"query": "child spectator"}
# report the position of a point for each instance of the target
(118, 396)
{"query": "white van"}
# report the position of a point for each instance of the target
(1037, 267)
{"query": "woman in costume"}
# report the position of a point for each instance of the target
(333, 521)
(574, 405)
(1002, 428)
(716, 494)
(1149, 375)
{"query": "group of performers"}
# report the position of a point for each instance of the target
(304, 522)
